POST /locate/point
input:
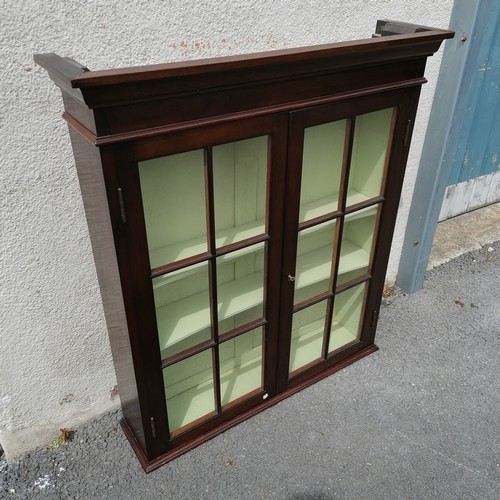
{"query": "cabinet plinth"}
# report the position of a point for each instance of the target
(241, 212)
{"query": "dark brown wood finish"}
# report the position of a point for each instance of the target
(136, 114)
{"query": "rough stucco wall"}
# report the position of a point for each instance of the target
(56, 368)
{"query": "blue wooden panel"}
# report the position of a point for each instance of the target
(478, 146)
(468, 17)
(492, 152)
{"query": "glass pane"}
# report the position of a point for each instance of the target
(189, 387)
(321, 169)
(307, 335)
(346, 321)
(240, 286)
(240, 365)
(356, 245)
(182, 308)
(369, 152)
(240, 179)
(314, 260)
(173, 196)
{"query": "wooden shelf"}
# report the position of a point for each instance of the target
(184, 249)
(353, 257)
(178, 320)
(339, 337)
(179, 251)
(308, 341)
(193, 397)
(364, 212)
(329, 204)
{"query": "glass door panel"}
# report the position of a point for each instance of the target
(240, 199)
(241, 365)
(173, 194)
(314, 260)
(369, 152)
(321, 169)
(240, 286)
(356, 244)
(189, 388)
(182, 302)
(346, 321)
(208, 246)
(308, 326)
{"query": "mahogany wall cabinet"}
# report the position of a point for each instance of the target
(241, 211)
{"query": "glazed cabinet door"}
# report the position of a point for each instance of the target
(211, 234)
(341, 156)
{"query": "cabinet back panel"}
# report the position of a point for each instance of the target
(173, 194)
(322, 166)
(369, 152)
(240, 174)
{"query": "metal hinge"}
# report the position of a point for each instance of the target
(153, 427)
(374, 319)
(123, 215)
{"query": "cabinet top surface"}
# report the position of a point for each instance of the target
(393, 40)
(106, 104)
(339, 50)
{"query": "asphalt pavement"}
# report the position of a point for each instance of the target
(419, 419)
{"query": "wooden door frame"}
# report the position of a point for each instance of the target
(405, 102)
(468, 20)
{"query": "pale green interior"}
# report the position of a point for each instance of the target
(356, 244)
(241, 365)
(321, 169)
(308, 326)
(173, 190)
(173, 197)
(240, 177)
(347, 310)
(182, 308)
(240, 287)
(189, 388)
(321, 173)
(189, 384)
(314, 260)
(322, 163)
(369, 152)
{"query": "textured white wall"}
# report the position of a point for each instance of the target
(56, 369)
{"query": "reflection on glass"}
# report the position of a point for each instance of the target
(321, 169)
(189, 388)
(314, 260)
(307, 335)
(240, 365)
(240, 286)
(369, 152)
(356, 244)
(240, 179)
(346, 322)
(182, 308)
(173, 196)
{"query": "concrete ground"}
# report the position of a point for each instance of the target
(470, 231)
(419, 419)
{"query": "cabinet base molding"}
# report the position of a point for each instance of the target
(151, 465)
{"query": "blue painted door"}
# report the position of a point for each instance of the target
(475, 173)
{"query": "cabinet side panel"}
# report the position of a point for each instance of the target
(88, 164)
